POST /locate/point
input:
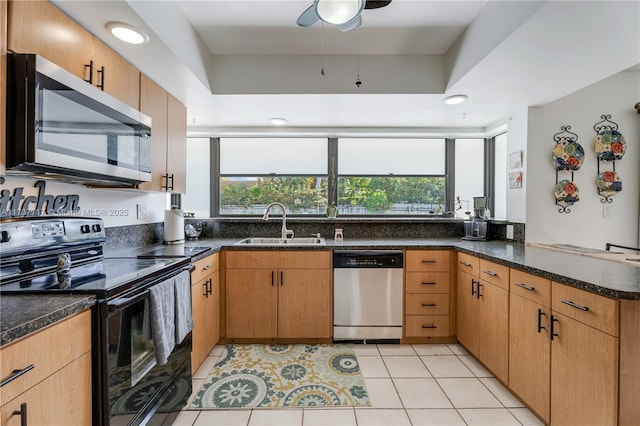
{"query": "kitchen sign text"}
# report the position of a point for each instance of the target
(18, 205)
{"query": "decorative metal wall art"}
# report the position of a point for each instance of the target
(609, 147)
(567, 156)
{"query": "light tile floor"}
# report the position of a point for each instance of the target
(434, 385)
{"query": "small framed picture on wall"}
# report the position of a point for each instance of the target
(515, 160)
(515, 180)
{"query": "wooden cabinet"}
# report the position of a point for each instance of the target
(278, 294)
(168, 138)
(483, 312)
(3, 85)
(584, 357)
(41, 28)
(427, 306)
(205, 302)
(57, 389)
(529, 341)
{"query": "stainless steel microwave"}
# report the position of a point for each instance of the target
(60, 126)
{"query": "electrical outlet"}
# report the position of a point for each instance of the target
(607, 211)
(141, 211)
(509, 232)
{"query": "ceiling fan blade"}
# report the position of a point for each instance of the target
(354, 23)
(308, 17)
(375, 4)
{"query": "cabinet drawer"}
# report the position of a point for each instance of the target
(469, 264)
(531, 287)
(427, 304)
(427, 282)
(251, 259)
(304, 259)
(426, 260)
(494, 274)
(43, 350)
(592, 309)
(204, 267)
(427, 325)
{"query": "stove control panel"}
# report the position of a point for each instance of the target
(47, 229)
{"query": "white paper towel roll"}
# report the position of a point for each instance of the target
(173, 226)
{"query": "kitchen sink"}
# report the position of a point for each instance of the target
(267, 241)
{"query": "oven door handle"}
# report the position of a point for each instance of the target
(127, 300)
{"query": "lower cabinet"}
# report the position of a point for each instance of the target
(57, 389)
(483, 312)
(205, 303)
(278, 294)
(427, 304)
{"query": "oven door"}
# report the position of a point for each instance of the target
(135, 389)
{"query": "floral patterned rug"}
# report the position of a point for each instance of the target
(283, 376)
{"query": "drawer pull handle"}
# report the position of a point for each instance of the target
(462, 262)
(428, 305)
(575, 305)
(429, 283)
(429, 261)
(429, 326)
(493, 274)
(16, 374)
(526, 287)
(206, 268)
(22, 413)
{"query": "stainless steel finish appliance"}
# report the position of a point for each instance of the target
(128, 387)
(367, 294)
(62, 126)
(476, 228)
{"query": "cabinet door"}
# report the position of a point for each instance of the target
(119, 78)
(530, 353)
(198, 335)
(584, 371)
(252, 297)
(212, 313)
(304, 303)
(177, 144)
(3, 76)
(40, 27)
(153, 102)
(64, 398)
(467, 312)
(493, 330)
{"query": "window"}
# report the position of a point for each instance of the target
(364, 176)
(469, 174)
(391, 176)
(257, 171)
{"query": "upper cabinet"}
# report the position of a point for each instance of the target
(41, 28)
(168, 138)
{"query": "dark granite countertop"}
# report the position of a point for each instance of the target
(24, 314)
(603, 276)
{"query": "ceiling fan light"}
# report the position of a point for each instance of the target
(338, 11)
(455, 99)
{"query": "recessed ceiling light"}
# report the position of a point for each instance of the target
(127, 33)
(455, 99)
(278, 121)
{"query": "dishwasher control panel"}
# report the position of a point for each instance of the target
(368, 259)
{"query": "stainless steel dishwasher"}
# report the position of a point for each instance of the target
(367, 294)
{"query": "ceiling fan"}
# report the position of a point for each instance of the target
(344, 14)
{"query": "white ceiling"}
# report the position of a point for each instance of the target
(237, 63)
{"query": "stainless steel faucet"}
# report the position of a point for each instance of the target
(286, 233)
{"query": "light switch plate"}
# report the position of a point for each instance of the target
(141, 211)
(509, 232)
